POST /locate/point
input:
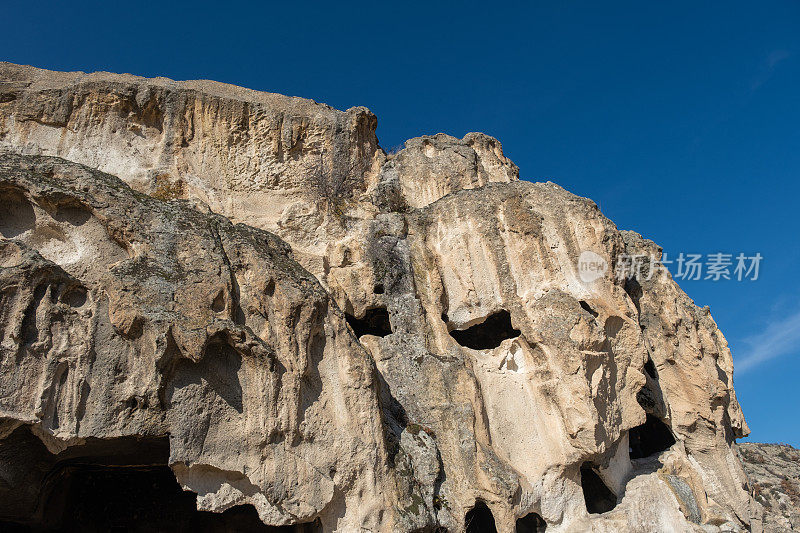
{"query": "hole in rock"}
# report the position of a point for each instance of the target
(218, 305)
(75, 297)
(650, 368)
(588, 308)
(479, 519)
(488, 334)
(141, 498)
(30, 329)
(531, 523)
(378, 288)
(634, 290)
(124, 484)
(652, 437)
(17, 215)
(131, 403)
(77, 216)
(598, 497)
(374, 322)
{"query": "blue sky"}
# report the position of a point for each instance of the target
(681, 119)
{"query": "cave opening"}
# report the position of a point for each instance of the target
(136, 498)
(531, 523)
(596, 494)
(479, 519)
(488, 334)
(652, 437)
(122, 484)
(374, 322)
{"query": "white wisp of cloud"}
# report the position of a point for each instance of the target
(779, 338)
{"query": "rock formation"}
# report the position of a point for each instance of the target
(774, 474)
(243, 290)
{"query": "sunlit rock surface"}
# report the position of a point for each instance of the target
(773, 471)
(288, 318)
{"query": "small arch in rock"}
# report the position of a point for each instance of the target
(116, 484)
(650, 438)
(76, 216)
(75, 297)
(218, 305)
(488, 334)
(17, 215)
(269, 290)
(596, 494)
(374, 322)
(531, 523)
(479, 519)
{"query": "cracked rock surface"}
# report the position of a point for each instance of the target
(774, 474)
(243, 295)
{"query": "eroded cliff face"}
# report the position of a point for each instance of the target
(385, 342)
(774, 473)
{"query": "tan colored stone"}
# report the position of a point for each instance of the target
(398, 430)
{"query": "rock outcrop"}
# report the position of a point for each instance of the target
(774, 474)
(266, 303)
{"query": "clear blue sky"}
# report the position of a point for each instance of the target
(681, 119)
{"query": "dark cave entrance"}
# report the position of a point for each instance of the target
(139, 498)
(479, 519)
(488, 334)
(531, 523)
(374, 322)
(652, 437)
(116, 485)
(598, 497)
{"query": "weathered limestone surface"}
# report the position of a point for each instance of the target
(774, 474)
(477, 366)
(125, 315)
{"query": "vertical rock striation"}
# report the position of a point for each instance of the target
(344, 339)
